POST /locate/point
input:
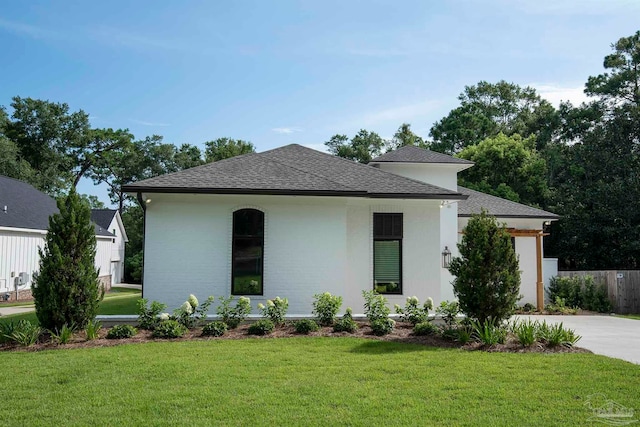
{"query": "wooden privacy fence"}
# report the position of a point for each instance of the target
(623, 287)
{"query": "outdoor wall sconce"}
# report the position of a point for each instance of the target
(446, 257)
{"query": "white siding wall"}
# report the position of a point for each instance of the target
(18, 253)
(103, 255)
(442, 175)
(312, 245)
(117, 251)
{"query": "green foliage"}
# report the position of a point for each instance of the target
(346, 323)
(489, 333)
(487, 276)
(465, 334)
(560, 307)
(66, 290)
(6, 330)
(214, 329)
(305, 326)
(275, 310)
(225, 148)
(414, 313)
(525, 331)
(507, 166)
(93, 330)
(233, 316)
(404, 136)
(449, 311)
(63, 335)
(169, 329)
(325, 307)
(375, 306)
(191, 314)
(119, 332)
(363, 147)
(382, 326)
(581, 292)
(149, 317)
(261, 327)
(23, 333)
(425, 328)
(555, 335)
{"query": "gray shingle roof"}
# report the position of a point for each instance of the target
(291, 170)
(28, 207)
(103, 217)
(497, 206)
(413, 154)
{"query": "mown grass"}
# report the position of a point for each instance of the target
(113, 303)
(307, 381)
(629, 316)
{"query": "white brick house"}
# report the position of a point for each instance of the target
(294, 222)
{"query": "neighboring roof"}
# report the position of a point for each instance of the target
(28, 207)
(291, 170)
(497, 206)
(103, 217)
(413, 154)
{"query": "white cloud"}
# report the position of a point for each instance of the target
(286, 130)
(145, 123)
(555, 93)
(317, 147)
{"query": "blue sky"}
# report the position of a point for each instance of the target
(278, 72)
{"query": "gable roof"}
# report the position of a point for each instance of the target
(497, 206)
(413, 154)
(103, 217)
(28, 207)
(291, 170)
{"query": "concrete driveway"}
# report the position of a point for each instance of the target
(607, 335)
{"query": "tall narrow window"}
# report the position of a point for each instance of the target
(387, 252)
(247, 252)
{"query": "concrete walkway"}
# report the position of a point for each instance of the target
(607, 335)
(6, 311)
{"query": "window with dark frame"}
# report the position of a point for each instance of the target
(387, 253)
(247, 252)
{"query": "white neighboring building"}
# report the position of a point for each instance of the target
(24, 220)
(110, 220)
(294, 222)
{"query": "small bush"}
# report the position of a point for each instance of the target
(527, 308)
(464, 334)
(119, 332)
(375, 306)
(346, 323)
(414, 313)
(560, 307)
(305, 326)
(214, 329)
(261, 327)
(233, 316)
(275, 310)
(93, 330)
(425, 328)
(169, 329)
(25, 333)
(555, 335)
(191, 313)
(6, 330)
(449, 311)
(581, 292)
(325, 308)
(63, 336)
(149, 317)
(382, 326)
(525, 332)
(488, 333)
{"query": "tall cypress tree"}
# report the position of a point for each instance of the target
(66, 289)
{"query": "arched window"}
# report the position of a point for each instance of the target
(247, 253)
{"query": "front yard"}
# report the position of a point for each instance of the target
(306, 381)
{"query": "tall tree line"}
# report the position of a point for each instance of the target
(581, 162)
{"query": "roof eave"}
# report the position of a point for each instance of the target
(544, 217)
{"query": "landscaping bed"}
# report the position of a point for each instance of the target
(402, 333)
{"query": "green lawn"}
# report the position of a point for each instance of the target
(306, 381)
(629, 316)
(114, 303)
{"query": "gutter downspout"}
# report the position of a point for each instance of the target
(144, 238)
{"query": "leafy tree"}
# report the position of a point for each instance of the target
(188, 156)
(507, 167)
(405, 136)
(363, 147)
(487, 276)
(224, 148)
(12, 164)
(90, 152)
(93, 201)
(488, 109)
(133, 218)
(66, 289)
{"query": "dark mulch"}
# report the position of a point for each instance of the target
(402, 333)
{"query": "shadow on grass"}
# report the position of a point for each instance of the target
(385, 347)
